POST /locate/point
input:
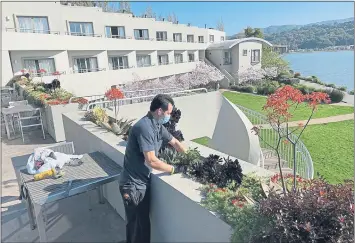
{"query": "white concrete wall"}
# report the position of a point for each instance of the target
(245, 61)
(176, 215)
(202, 109)
(233, 135)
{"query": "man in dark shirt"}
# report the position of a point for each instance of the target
(144, 141)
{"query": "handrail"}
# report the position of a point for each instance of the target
(100, 96)
(22, 30)
(123, 101)
(304, 163)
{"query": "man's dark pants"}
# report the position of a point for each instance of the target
(137, 204)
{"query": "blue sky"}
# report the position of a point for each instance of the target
(237, 15)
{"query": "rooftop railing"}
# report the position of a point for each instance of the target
(36, 31)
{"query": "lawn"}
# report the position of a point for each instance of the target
(255, 102)
(331, 147)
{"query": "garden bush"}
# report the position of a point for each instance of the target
(331, 85)
(297, 75)
(304, 89)
(267, 88)
(242, 88)
(342, 88)
(351, 92)
(335, 95)
(289, 81)
(97, 115)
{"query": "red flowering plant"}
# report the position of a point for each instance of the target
(115, 94)
(279, 107)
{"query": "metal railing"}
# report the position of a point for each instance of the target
(128, 94)
(89, 70)
(83, 34)
(140, 99)
(269, 135)
(22, 30)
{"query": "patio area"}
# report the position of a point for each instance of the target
(76, 219)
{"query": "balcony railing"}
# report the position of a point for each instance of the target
(120, 67)
(162, 39)
(83, 34)
(117, 37)
(164, 63)
(32, 31)
(145, 65)
(89, 70)
(42, 74)
(144, 38)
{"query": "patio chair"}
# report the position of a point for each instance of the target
(18, 103)
(5, 100)
(30, 119)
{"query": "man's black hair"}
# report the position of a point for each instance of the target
(161, 101)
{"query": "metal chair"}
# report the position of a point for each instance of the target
(25, 119)
(18, 103)
(5, 100)
(64, 147)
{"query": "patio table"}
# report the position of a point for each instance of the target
(96, 170)
(8, 113)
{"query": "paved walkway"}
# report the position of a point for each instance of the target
(76, 219)
(324, 120)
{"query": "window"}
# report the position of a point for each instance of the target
(222, 38)
(211, 38)
(85, 64)
(141, 34)
(190, 38)
(162, 36)
(118, 62)
(227, 58)
(35, 65)
(33, 24)
(177, 37)
(191, 57)
(143, 61)
(245, 52)
(178, 58)
(163, 59)
(81, 29)
(200, 39)
(115, 32)
(255, 56)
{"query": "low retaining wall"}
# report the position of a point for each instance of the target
(176, 215)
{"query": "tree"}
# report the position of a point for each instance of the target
(256, 74)
(149, 13)
(278, 107)
(250, 32)
(172, 18)
(220, 25)
(271, 59)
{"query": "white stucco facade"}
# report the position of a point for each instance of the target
(236, 55)
(75, 40)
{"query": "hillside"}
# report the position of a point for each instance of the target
(315, 36)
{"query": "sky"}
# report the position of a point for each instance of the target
(238, 15)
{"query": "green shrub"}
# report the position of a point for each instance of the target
(290, 81)
(310, 79)
(241, 88)
(305, 89)
(342, 88)
(97, 115)
(267, 88)
(351, 92)
(331, 85)
(335, 95)
(297, 75)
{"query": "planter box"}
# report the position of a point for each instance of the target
(176, 215)
(52, 118)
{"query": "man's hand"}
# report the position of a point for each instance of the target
(177, 170)
(177, 145)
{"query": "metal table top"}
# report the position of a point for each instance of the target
(96, 169)
(17, 109)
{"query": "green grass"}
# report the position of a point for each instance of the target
(256, 103)
(332, 149)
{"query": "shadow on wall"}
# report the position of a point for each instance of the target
(232, 134)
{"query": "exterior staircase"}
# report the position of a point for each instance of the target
(229, 78)
(271, 162)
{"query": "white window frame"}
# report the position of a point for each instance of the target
(193, 55)
(179, 57)
(211, 38)
(175, 35)
(253, 59)
(164, 35)
(190, 38)
(227, 58)
(138, 56)
(81, 33)
(141, 34)
(87, 69)
(160, 58)
(201, 37)
(118, 30)
(38, 67)
(33, 29)
(245, 52)
(120, 60)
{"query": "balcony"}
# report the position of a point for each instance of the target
(20, 30)
(83, 34)
(89, 70)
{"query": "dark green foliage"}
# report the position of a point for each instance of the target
(335, 95)
(242, 88)
(267, 88)
(331, 86)
(342, 88)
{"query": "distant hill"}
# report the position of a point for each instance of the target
(311, 36)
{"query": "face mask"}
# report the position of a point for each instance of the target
(164, 119)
